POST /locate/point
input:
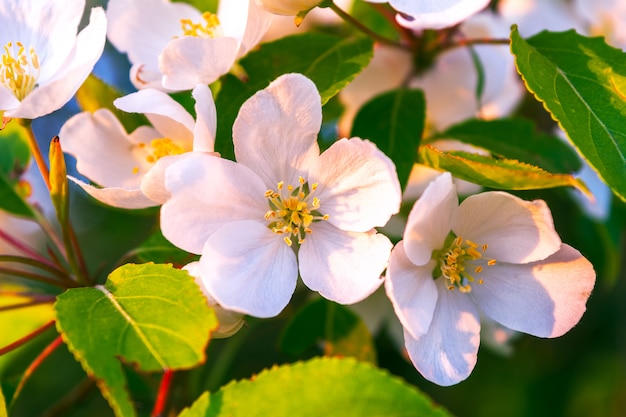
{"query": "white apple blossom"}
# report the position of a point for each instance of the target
(43, 60)
(125, 164)
(173, 46)
(433, 14)
(229, 321)
(493, 254)
(283, 207)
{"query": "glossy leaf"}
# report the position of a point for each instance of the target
(331, 62)
(506, 174)
(11, 200)
(582, 83)
(394, 121)
(516, 139)
(151, 316)
(329, 387)
(338, 329)
(95, 94)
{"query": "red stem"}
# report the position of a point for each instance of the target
(38, 360)
(26, 338)
(30, 303)
(164, 389)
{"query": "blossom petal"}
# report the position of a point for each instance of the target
(166, 115)
(435, 14)
(102, 148)
(249, 269)
(206, 119)
(117, 196)
(206, 192)
(545, 298)
(447, 354)
(142, 28)
(52, 95)
(344, 267)
(245, 21)
(412, 291)
(275, 133)
(189, 60)
(357, 185)
(429, 221)
(517, 231)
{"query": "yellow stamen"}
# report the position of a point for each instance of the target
(19, 70)
(211, 27)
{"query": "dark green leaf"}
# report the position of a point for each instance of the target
(12, 201)
(14, 150)
(517, 139)
(582, 83)
(329, 387)
(159, 250)
(151, 316)
(340, 330)
(394, 121)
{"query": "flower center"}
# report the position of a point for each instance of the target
(459, 261)
(209, 29)
(19, 71)
(157, 149)
(292, 210)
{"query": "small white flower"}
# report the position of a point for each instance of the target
(283, 207)
(433, 14)
(173, 46)
(129, 167)
(43, 60)
(493, 254)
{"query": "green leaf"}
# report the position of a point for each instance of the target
(506, 174)
(516, 139)
(12, 201)
(326, 387)
(331, 62)
(151, 316)
(159, 250)
(394, 121)
(95, 94)
(14, 150)
(582, 83)
(342, 332)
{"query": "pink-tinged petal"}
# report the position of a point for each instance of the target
(429, 221)
(190, 60)
(142, 28)
(515, 230)
(435, 14)
(153, 183)
(229, 321)
(116, 196)
(52, 95)
(166, 115)
(357, 185)
(7, 100)
(249, 269)
(206, 119)
(275, 133)
(545, 298)
(245, 21)
(143, 77)
(344, 267)
(447, 354)
(412, 291)
(206, 192)
(102, 148)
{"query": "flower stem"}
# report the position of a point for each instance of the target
(36, 151)
(36, 277)
(360, 26)
(164, 388)
(38, 360)
(41, 263)
(31, 303)
(26, 338)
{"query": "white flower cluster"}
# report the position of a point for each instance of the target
(284, 209)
